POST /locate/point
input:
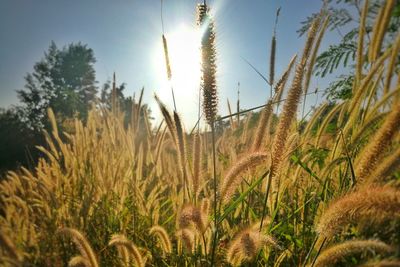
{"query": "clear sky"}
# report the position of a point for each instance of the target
(126, 38)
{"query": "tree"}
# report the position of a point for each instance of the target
(17, 141)
(63, 80)
(343, 54)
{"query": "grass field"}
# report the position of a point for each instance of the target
(271, 189)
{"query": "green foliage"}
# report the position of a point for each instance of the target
(329, 60)
(17, 141)
(340, 89)
(63, 80)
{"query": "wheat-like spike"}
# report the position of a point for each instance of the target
(373, 204)
(373, 152)
(192, 215)
(166, 55)
(121, 240)
(83, 245)
(336, 253)
(273, 52)
(375, 29)
(262, 127)
(291, 104)
(314, 54)
(196, 164)
(78, 261)
(272, 60)
(233, 179)
(53, 121)
(280, 85)
(230, 114)
(187, 237)
(208, 66)
(181, 147)
(205, 206)
(246, 245)
(360, 43)
(162, 234)
(377, 38)
(385, 168)
(168, 119)
(8, 246)
(392, 64)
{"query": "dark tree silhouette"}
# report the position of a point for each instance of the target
(63, 80)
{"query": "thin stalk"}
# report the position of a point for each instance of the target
(215, 195)
(265, 200)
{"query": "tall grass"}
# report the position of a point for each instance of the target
(137, 195)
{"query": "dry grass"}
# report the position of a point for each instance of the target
(140, 195)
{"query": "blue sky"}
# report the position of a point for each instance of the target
(126, 36)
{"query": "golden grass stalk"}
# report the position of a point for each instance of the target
(385, 168)
(337, 253)
(230, 114)
(233, 179)
(8, 246)
(208, 65)
(373, 204)
(291, 104)
(246, 245)
(120, 240)
(187, 237)
(78, 261)
(205, 206)
(166, 55)
(163, 236)
(280, 85)
(392, 64)
(272, 60)
(376, 147)
(167, 118)
(196, 164)
(181, 147)
(314, 54)
(262, 127)
(380, 29)
(273, 52)
(192, 215)
(360, 43)
(82, 244)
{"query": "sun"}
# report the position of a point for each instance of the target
(184, 55)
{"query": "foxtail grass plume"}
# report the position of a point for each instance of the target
(191, 215)
(273, 52)
(168, 119)
(78, 261)
(166, 55)
(337, 253)
(292, 102)
(233, 179)
(263, 124)
(374, 204)
(181, 147)
(163, 236)
(246, 245)
(208, 63)
(187, 237)
(82, 244)
(379, 29)
(121, 241)
(387, 167)
(373, 152)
